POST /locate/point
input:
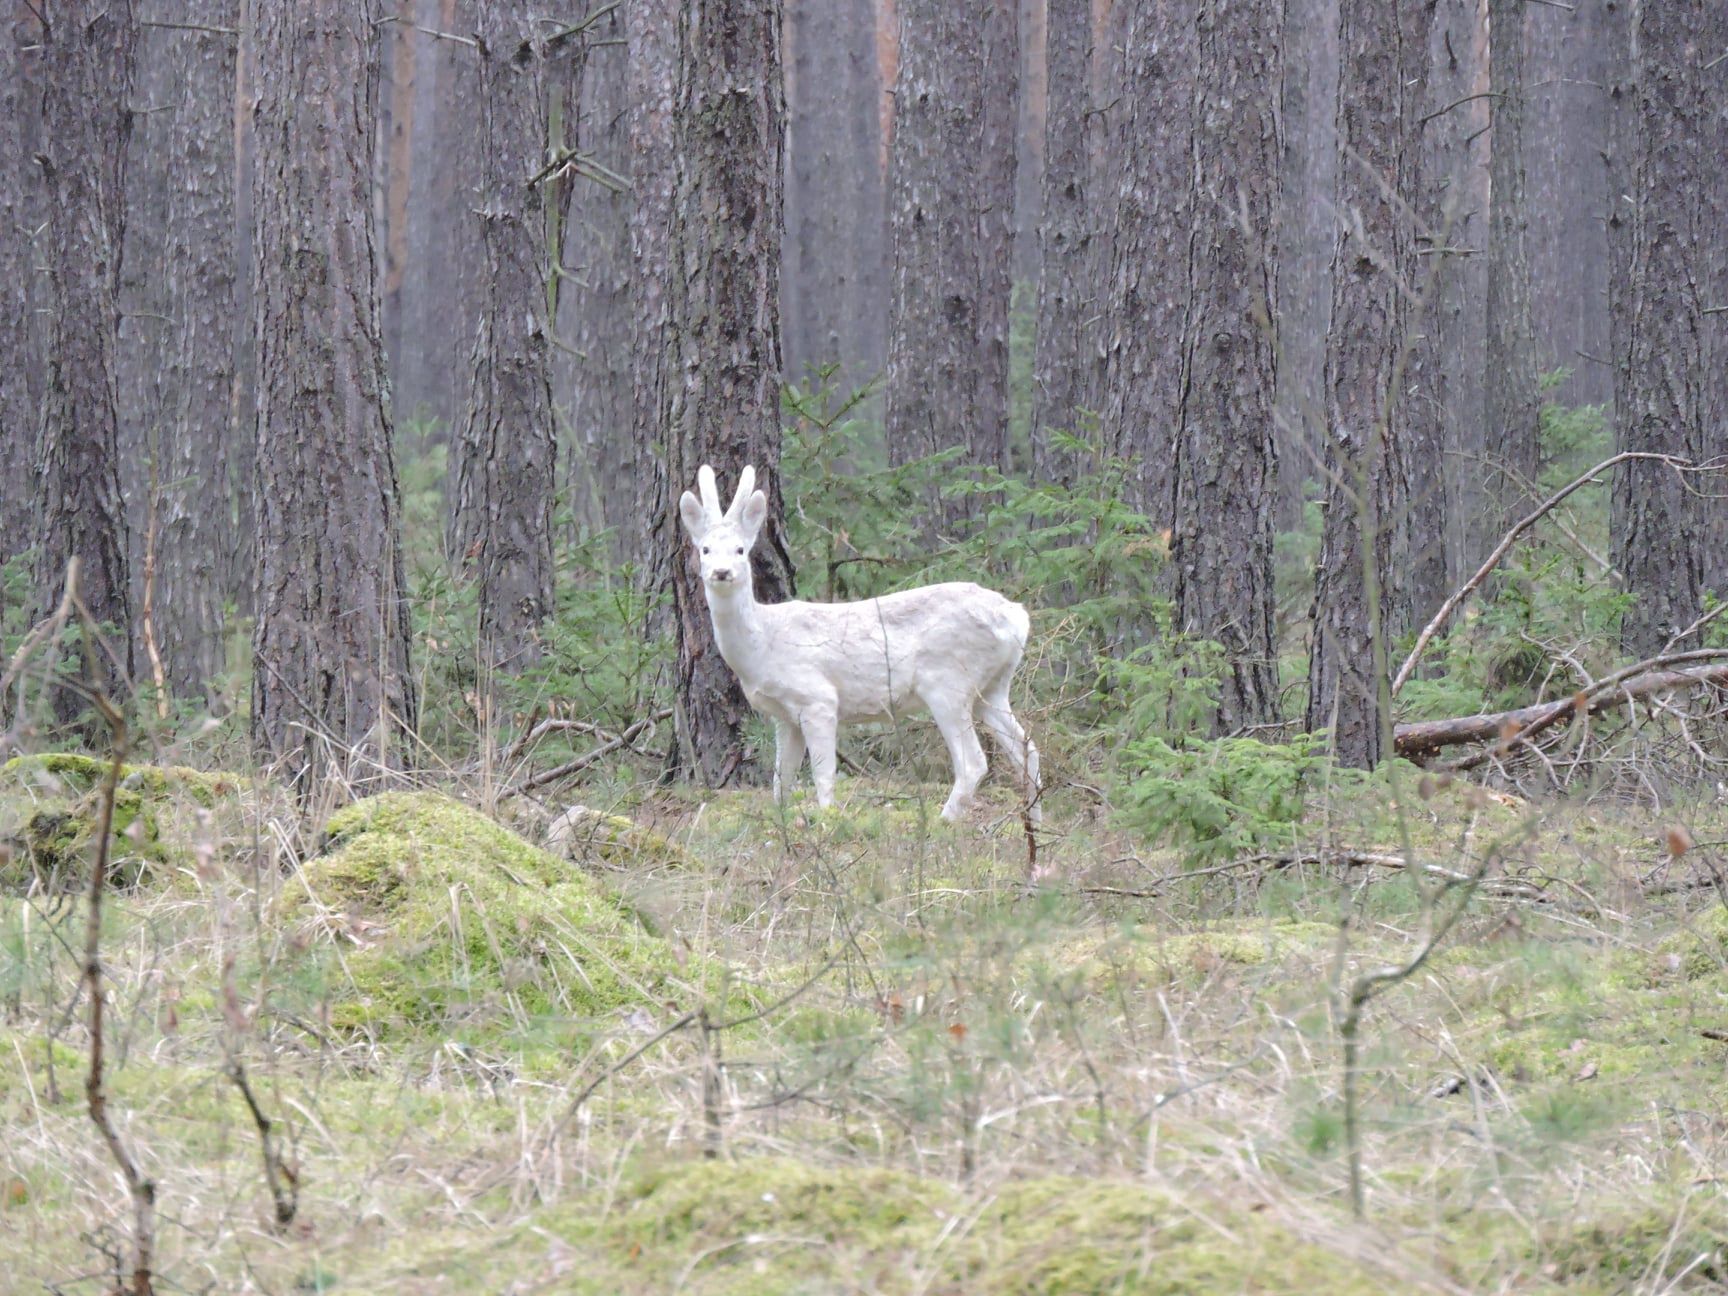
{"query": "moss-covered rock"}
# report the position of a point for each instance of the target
(588, 836)
(445, 920)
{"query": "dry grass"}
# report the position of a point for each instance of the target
(921, 1075)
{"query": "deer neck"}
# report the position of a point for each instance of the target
(738, 630)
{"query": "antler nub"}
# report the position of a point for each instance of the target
(746, 484)
(710, 491)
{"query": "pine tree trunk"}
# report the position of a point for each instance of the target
(1359, 598)
(332, 690)
(17, 273)
(1225, 473)
(193, 389)
(595, 311)
(87, 65)
(1669, 210)
(721, 394)
(506, 454)
(832, 298)
(1454, 212)
(1065, 363)
(1514, 403)
(951, 244)
(998, 172)
(1148, 303)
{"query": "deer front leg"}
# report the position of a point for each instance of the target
(788, 756)
(821, 731)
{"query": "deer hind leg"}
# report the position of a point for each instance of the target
(788, 756)
(965, 751)
(821, 726)
(1022, 753)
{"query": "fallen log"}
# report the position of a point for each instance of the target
(1508, 728)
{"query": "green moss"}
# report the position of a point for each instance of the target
(446, 920)
(81, 773)
(1646, 1246)
(593, 835)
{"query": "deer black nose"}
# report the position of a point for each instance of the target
(722, 573)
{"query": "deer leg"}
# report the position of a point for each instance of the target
(967, 755)
(821, 730)
(788, 756)
(1016, 745)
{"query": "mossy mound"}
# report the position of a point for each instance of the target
(593, 836)
(50, 804)
(448, 921)
(779, 1226)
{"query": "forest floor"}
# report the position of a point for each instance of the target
(712, 1046)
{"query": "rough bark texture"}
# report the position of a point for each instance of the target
(1566, 127)
(1358, 603)
(331, 650)
(242, 555)
(834, 289)
(998, 172)
(1065, 366)
(1455, 214)
(1514, 404)
(1147, 305)
(1307, 233)
(193, 387)
(652, 33)
(17, 401)
(721, 396)
(87, 68)
(1670, 207)
(507, 452)
(594, 308)
(945, 387)
(1226, 470)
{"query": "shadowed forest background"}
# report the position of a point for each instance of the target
(392, 895)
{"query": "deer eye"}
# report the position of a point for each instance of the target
(704, 548)
(740, 548)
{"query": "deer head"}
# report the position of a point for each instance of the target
(724, 540)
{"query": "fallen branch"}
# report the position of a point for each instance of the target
(583, 762)
(1470, 586)
(1506, 729)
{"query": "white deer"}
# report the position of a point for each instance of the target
(950, 649)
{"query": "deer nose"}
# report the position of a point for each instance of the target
(722, 574)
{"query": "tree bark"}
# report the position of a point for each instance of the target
(332, 689)
(17, 275)
(193, 389)
(1359, 602)
(87, 68)
(1307, 233)
(595, 311)
(1669, 208)
(720, 400)
(951, 247)
(1455, 213)
(833, 288)
(1147, 305)
(1225, 472)
(1514, 403)
(506, 454)
(1065, 364)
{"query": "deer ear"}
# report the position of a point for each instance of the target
(755, 514)
(694, 515)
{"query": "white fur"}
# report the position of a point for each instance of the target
(951, 650)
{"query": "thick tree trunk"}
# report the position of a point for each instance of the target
(193, 388)
(595, 310)
(1514, 403)
(721, 394)
(1065, 364)
(1147, 304)
(241, 557)
(1455, 213)
(17, 274)
(1669, 210)
(1225, 474)
(87, 68)
(951, 247)
(1359, 601)
(998, 174)
(331, 688)
(833, 289)
(507, 453)
(1307, 233)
